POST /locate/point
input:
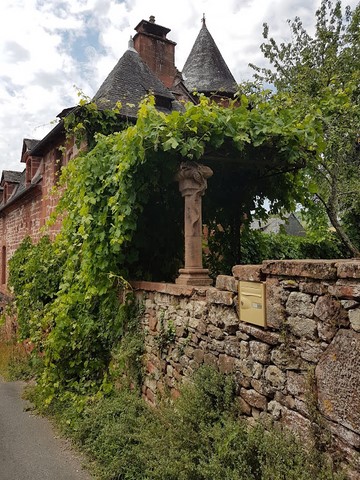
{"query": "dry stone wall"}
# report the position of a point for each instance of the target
(302, 370)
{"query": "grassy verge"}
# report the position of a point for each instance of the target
(197, 437)
(16, 360)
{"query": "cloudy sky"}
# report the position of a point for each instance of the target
(52, 49)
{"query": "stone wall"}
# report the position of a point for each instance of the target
(303, 369)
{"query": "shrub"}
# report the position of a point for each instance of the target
(199, 436)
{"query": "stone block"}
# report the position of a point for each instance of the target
(275, 303)
(150, 396)
(253, 398)
(247, 273)
(338, 379)
(275, 376)
(193, 322)
(215, 332)
(184, 361)
(241, 380)
(210, 359)
(285, 400)
(226, 282)
(216, 346)
(354, 317)
(199, 308)
(327, 308)
(202, 326)
(274, 408)
(150, 383)
(259, 351)
(301, 407)
(310, 350)
(180, 331)
(232, 346)
(321, 269)
(245, 367)
(219, 297)
(347, 304)
(258, 369)
(199, 356)
(189, 351)
(226, 363)
(167, 288)
(265, 336)
(326, 331)
(302, 327)
(286, 358)
(289, 284)
(230, 322)
(262, 387)
(348, 269)
(244, 407)
(300, 305)
(244, 349)
(345, 289)
(296, 422)
(314, 288)
(296, 383)
(153, 321)
(348, 436)
(152, 369)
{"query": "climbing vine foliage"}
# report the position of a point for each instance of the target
(106, 189)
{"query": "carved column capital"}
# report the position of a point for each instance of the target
(192, 178)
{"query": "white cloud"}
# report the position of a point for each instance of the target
(47, 46)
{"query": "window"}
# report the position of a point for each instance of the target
(3, 265)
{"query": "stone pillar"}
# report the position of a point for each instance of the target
(192, 178)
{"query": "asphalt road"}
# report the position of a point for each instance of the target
(29, 447)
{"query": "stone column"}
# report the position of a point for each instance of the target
(192, 178)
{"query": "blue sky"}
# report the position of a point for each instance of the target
(50, 49)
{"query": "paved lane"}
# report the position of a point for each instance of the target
(29, 449)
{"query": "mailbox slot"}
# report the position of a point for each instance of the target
(252, 301)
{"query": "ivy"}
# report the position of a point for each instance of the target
(35, 275)
(256, 146)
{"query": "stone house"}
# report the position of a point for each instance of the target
(148, 65)
(290, 224)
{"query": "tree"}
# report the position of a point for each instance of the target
(324, 70)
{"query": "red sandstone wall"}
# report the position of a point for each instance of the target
(302, 370)
(28, 215)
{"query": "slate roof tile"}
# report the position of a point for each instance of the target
(129, 82)
(205, 69)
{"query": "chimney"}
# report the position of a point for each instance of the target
(156, 50)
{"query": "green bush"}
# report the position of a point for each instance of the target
(199, 436)
(35, 272)
(257, 246)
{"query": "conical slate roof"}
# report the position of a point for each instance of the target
(205, 69)
(128, 82)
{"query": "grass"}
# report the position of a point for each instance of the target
(16, 362)
(199, 436)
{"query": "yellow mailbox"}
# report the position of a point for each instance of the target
(252, 303)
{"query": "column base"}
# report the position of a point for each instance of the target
(198, 277)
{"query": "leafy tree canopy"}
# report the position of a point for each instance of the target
(316, 69)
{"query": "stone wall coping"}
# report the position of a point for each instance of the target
(309, 268)
(169, 288)
(348, 268)
(250, 273)
(306, 268)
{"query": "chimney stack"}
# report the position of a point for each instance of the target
(156, 50)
